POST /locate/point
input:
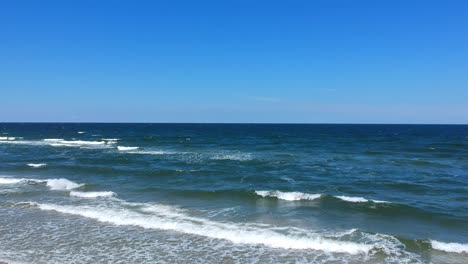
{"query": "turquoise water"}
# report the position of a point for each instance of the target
(233, 193)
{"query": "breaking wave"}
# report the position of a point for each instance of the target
(37, 165)
(91, 194)
(288, 196)
(298, 196)
(171, 218)
(53, 184)
(122, 148)
(450, 247)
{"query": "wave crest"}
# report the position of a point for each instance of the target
(37, 165)
(449, 247)
(92, 194)
(122, 148)
(169, 218)
(288, 196)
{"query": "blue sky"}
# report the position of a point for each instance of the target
(234, 61)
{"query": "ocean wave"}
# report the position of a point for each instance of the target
(36, 165)
(288, 196)
(110, 139)
(53, 184)
(449, 247)
(297, 196)
(152, 152)
(75, 142)
(57, 142)
(122, 148)
(92, 194)
(7, 138)
(62, 184)
(10, 180)
(357, 199)
(53, 139)
(235, 156)
(164, 217)
(81, 132)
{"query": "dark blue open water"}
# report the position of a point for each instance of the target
(229, 193)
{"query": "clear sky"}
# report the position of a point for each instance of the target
(309, 61)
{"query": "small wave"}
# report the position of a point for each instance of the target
(237, 156)
(122, 148)
(297, 196)
(170, 218)
(151, 152)
(449, 247)
(91, 194)
(58, 142)
(10, 180)
(80, 142)
(288, 179)
(81, 132)
(7, 138)
(62, 184)
(110, 139)
(37, 165)
(53, 184)
(357, 199)
(289, 196)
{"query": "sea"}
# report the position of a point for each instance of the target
(233, 193)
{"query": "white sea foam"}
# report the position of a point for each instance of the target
(122, 148)
(56, 142)
(81, 132)
(110, 139)
(288, 196)
(296, 196)
(36, 165)
(7, 138)
(357, 199)
(81, 142)
(151, 152)
(234, 156)
(91, 194)
(53, 184)
(10, 180)
(53, 139)
(449, 247)
(62, 184)
(171, 218)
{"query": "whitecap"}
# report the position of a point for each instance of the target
(10, 180)
(170, 218)
(81, 132)
(81, 142)
(357, 199)
(53, 139)
(91, 194)
(236, 156)
(7, 138)
(151, 152)
(53, 184)
(122, 148)
(288, 196)
(62, 184)
(450, 247)
(37, 165)
(57, 142)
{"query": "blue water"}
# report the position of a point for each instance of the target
(233, 193)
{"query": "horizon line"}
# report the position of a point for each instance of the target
(225, 123)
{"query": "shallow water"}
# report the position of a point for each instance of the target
(206, 193)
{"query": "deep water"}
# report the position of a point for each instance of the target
(233, 193)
